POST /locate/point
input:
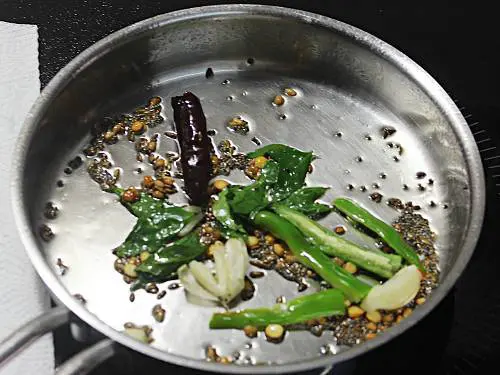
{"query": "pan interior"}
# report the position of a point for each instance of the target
(346, 95)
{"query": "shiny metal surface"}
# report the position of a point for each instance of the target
(349, 83)
(32, 330)
(88, 359)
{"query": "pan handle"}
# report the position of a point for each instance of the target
(88, 359)
(32, 330)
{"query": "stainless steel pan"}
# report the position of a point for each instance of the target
(350, 85)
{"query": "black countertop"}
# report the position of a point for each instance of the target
(457, 43)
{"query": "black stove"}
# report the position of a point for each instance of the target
(456, 42)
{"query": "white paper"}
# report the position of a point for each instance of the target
(22, 294)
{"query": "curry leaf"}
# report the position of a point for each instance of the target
(165, 262)
(303, 200)
(223, 214)
(157, 224)
(163, 265)
(293, 167)
(256, 196)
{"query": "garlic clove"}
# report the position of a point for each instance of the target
(237, 257)
(137, 333)
(205, 278)
(192, 286)
(222, 269)
(396, 292)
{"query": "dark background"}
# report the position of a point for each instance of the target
(457, 43)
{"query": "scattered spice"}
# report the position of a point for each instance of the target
(399, 148)
(278, 249)
(350, 267)
(340, 230)
(46, 233)
(154, 101)
(421, 175)
(395, 203)
(275, 333)
(130, 195)
(158, 313)
(263, 256)
(248, 290)
(80, 298)
(355, 311)
(171, 134)
(250, 331)
(173, 286)
(387, 131)
(141, 333)
(374, 316)
(256, 141)
(75, 163)
(62, 267)
(256, 274)
(211, 354)
(137, 126)
(220, 184)
(131, 297)
(376, 197)
(252, 242)
(209, 73)
(238, 125)
(279, 100)
(151, 288)
(51, 211)
(229, 159)
(98, 171)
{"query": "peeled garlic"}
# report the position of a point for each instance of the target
(228, 280)
(395, 292)
(138, 334)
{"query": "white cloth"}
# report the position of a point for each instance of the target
(22, 295)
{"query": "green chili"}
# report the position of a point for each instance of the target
(312, 306)
(385, 231)
(311, 256)
(384, 265)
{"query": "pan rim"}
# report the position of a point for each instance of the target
(366, 40)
